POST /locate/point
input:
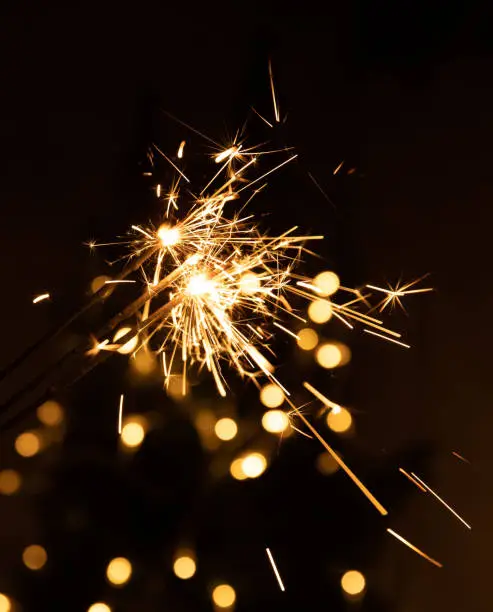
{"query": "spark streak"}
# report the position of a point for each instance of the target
(368, 331)
(40, 298)
(429, 489)
(120, 415)
(276, 572)
(415, 482)
(412, 547)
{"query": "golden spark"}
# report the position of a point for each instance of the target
(41, 298)
(276, 572)
(415, 548)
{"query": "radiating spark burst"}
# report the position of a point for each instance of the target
(274, 567)
(41, 298)
(393, 294)
(442, 501)
(415, 548)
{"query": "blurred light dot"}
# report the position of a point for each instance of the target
(184, 567)
(327, 283)
(130, 345)
(50, 413)
(99, 607)
(226, 429)
(329, 355)
(34, 557)
(320, 311)
(271, 396)
(27, 444)
(275, 421)
(339, 420)
(5, 603)
(143, 362)
(177, 388)
(307, 339)
(10, 482)
(249, 283)
(326, 465)
(119, 570)
(133, 434)
(253, 465)
(224, 596)
(353, 582)
(236, 469)
(98, 283)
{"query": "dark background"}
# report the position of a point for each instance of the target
(402, 92)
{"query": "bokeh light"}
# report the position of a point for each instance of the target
(119, 571)
(353, 582)
(224, 596)
(5, 603)
(329, 355)
(133, 432)
(271, 396)
(99, 282)
(177, 387)
(307, 339)
(143, 362)
(275, 421)
(10, 482)
(339, 420)
(129, 346)
(236, 469)
(226, 429)
(249, 283)
(326, 465)
(327, 283)
(27, 444)
(320, 311)
(253, 465)
(99, 607)
(34, 557)
(50, 413)
(184, 567)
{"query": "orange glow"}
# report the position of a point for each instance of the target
(99, 607)
(271, 396)
(144, 363)
(34, 557)
(353, 582)
(307, 339)
(50, 413)
(119, 571)
(326, 465)
(320, 311)
(184, 567)
(226, 429)
(327, 283)
(253, 465)
(5, 603)
(99, 282)
(275, 421)
(28, 444)
(10, 482)
(339, 420)
(224, 596)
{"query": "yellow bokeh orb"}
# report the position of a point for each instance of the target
(326, 464)
(307, 339)
(339, 420)
(329, 355)
(320, 311)
(10, 482)
(271, 396)
(34, 557)
(249, 283)
(130, 345)
(50, 413)
(119, 571)
(275, 421)
(226, 429)
(353, 582)
(253, 465)
(5, 603)
(177, 387)
(236, 469)
(99, 282)
(327, 283)
(133, 433)
(28, 444)
(224, 596)
(184, 567)
(143, 362)
(99, 607)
